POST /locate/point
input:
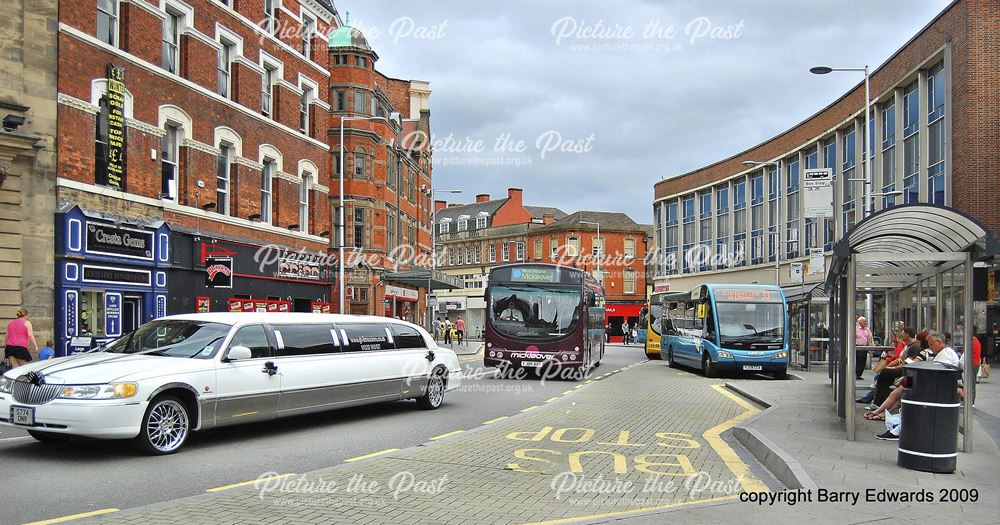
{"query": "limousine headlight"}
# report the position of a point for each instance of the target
(727, 355)
(110, 391)
(6, 385)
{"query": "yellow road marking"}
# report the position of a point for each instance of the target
(472, 357)
(568, 392)
(530, 408)
(73, 517)
(373, 454)
(577, 387)
(733, 462)
(442, 436)
(551, 399)
(245, 483)
(494, 420)
(627, 512)
(588, 381)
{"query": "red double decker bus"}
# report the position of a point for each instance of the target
(544, 317)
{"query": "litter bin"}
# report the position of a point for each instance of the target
(928, 438)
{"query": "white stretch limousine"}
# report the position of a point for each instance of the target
(192, 372)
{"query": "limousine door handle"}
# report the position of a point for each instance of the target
(270, 368)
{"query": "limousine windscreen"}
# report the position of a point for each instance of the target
(173, 338)
(534, 312)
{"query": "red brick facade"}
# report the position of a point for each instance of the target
(190, 100)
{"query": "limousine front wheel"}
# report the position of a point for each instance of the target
(165, 427)
(434, 396)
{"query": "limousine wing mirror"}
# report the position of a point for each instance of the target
(239, 353)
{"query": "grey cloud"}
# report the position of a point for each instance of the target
(497, 69)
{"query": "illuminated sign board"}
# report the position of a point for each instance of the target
(747, 295)
(534, 275)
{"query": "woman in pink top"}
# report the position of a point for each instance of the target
(19, 335)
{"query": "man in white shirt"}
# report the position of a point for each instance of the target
(943, 353)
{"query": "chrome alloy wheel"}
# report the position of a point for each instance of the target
(167, 425)
(435, 390)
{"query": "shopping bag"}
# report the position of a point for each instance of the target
(984, 371)
(879, 365)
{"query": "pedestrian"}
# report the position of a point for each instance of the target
(447, 331)
(460, 329)
(19, 336)
(863, 337)
(607, 333)
(625, 332)
(48, 352)
(438, 327)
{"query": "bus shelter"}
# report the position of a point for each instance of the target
(808, 328)
(899, 252)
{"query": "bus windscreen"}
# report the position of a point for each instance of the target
(527, 311)
(745, 323)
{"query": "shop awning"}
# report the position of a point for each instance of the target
(419, 279)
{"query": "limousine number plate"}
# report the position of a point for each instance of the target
(532, 364)
(22, 415)
(753, 367)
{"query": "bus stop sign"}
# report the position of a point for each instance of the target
(818, 185)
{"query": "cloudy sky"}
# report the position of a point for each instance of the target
(587, 104)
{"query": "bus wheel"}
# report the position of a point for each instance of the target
(707, 367)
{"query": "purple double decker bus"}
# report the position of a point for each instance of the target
(544, 317)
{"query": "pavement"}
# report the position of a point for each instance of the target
(620, 443)
(641, 444)
(802, 426)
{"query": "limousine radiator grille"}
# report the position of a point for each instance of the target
(32, 394)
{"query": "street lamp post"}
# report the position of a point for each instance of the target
(431, 192)
(778, 218)
(602, 247)
(868, 134)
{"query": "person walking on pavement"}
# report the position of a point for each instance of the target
(447, 331)
(625, 332)
(19, 336)
(460, 329)
(438, 328)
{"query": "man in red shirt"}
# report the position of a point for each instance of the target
(460, 328)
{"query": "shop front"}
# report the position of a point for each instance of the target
(227, 275)
(111, 276)
(401, 302)
(618, 313)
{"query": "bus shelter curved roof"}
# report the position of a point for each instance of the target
(899, 245)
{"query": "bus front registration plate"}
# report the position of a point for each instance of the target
(753, 367)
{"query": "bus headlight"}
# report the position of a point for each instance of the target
(110, 391)
(725, 354)
(781, 355)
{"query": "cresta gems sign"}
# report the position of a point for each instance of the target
(108, 239)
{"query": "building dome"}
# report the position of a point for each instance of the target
(347, 36)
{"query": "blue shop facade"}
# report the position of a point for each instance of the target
(111, 276)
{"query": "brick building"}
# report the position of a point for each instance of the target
(475, 237)
(197, 144)
(490, 232)
(615, 255)
(935, 110)
(27, 163)
(387, 172)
